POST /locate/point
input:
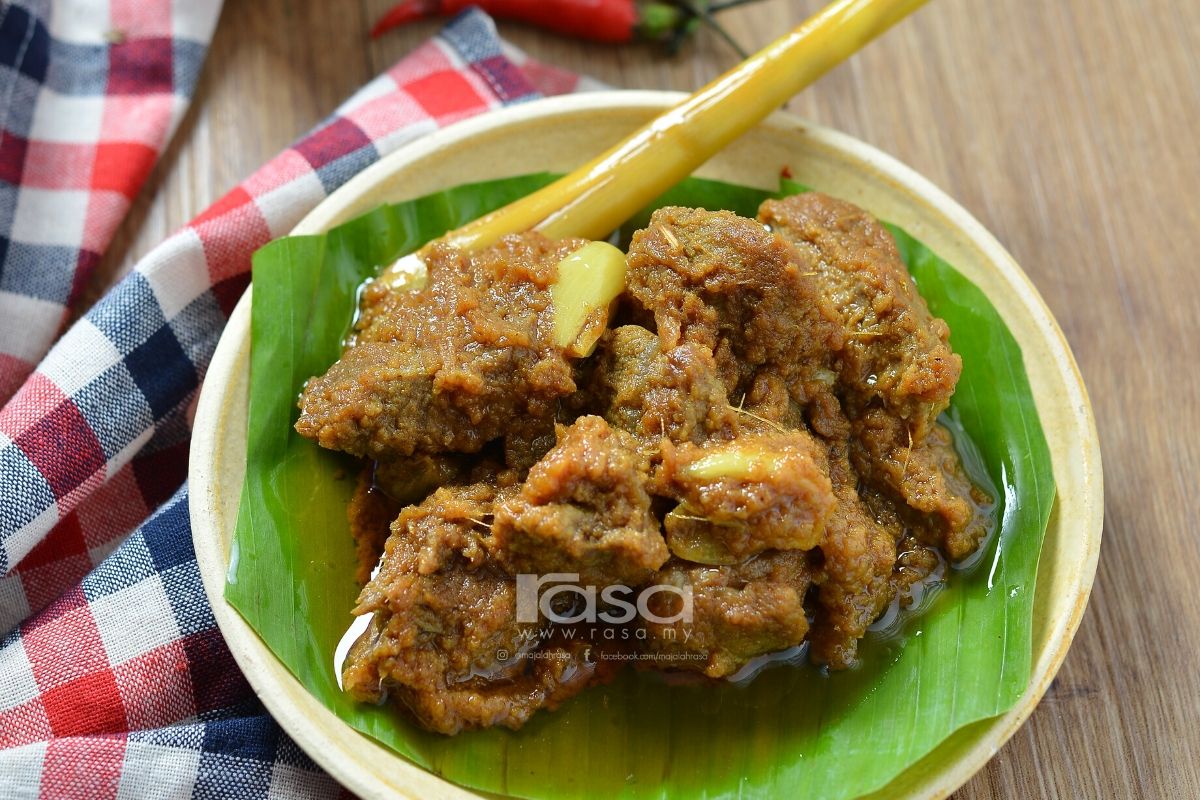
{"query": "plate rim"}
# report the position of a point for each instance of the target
(283, 697)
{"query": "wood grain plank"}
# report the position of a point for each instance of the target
(1067, 128)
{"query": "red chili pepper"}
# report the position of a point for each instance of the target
(598, 20)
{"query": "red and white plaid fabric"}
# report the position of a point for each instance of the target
(114, 681)
(91, 93)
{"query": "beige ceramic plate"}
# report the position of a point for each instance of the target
(557, 134)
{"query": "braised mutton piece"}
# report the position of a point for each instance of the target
(447, 368)
(729, 285)
(738, 612)
(937, 498)
(653, 394)
(583, 509)
(761, 491)
(442, 612)
(894, 352)
(896, 371)
(854, 572)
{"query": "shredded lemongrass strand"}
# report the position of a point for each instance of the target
(771, 423)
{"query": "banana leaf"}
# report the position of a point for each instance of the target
(793, 731)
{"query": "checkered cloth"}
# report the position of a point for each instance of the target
(115, 681)
(90, 91)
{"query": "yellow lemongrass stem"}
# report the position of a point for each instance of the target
(597, 197)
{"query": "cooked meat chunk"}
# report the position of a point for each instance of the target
(583, 509)
(761, 491)
(936, 497)
(916, 564)
(894, 351)
(677, 394)
(442, 611)
(854, 574)
(738, 612)
(728, 284)
(448, 367)
(410, 480)
(528, 440)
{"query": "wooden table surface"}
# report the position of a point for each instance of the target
(1070, 128)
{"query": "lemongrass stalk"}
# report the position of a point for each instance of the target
(597, 197)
